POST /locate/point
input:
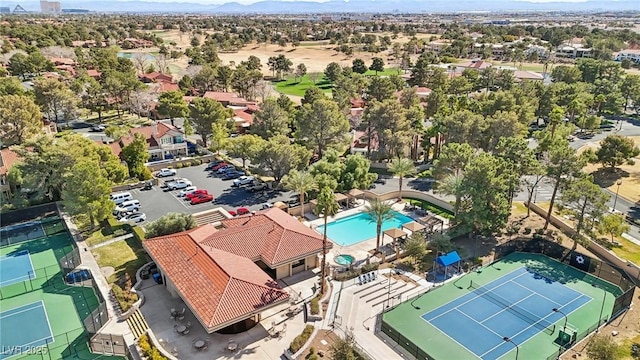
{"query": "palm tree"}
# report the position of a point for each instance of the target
(301, 182)
(452, 185)
(402, 167)
(378, 212)
(328, 206)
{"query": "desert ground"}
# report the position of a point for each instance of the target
(628, 174)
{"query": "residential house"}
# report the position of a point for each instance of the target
(360, 144)
(631, 54)
(225, 272)
(228, 98)
(164, 141)
(573, 50)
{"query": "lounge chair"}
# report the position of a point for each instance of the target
(374, 275)
(360, 280)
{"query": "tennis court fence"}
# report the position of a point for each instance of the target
(616, 279)
(540, 323)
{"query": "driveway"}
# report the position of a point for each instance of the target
(156, 202)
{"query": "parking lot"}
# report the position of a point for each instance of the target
(156, 202)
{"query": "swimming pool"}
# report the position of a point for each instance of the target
(356, 228)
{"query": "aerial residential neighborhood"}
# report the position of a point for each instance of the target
(320, 180)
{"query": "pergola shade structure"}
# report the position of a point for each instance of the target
(414, 226)
(431, 222)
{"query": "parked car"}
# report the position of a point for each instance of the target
(196, 193)
(232, 175)
(166, 172)
(266, 205)
(242, 211)
(135, 217)
(225, 168)
(232, 213)
(127, 206)
(213, 164)
(186, 191)
(201, 198)
(243, 180)
(219, 165)
(97, 128)
(258, 187)
(178, 184)
(78, 276)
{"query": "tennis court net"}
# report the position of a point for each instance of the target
(524, 314)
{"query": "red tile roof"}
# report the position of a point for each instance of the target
(245, 116)
(275, 237)
(220, 96)
(167, 86)
(94, 73)
(8, 157)
(220, 288)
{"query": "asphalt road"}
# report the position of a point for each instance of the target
(157, 202)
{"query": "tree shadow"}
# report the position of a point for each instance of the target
(606, 177)
(422, 184)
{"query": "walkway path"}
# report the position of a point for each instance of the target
(89, 262)
(109, 242)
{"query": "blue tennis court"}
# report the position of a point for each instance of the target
(510, 310)
(15, 268)
(24, 328)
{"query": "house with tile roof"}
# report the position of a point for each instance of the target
(164, 141)
(226, 272)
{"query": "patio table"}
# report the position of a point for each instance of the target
(232, 346)
(199, 344)
(181, 329)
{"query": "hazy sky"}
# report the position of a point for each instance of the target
(253, 1)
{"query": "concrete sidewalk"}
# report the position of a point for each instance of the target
(89, 262)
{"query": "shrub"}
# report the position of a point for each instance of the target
(315, 305)
(124, 298)
(527, 230)
(179, 166)
(301, 339)
(346, 275)
(196, 162)
(186, 164)
(539, 231)
(149, 351)
(138, 233)
(144, 344)
(369, 268)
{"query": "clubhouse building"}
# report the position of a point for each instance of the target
(226, 272)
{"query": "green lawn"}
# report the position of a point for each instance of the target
(125, 256)
(385, 72)
(291, 86)
(628, 250)
(297, 86)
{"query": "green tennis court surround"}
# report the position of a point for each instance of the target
(41, 316)
(520, 300)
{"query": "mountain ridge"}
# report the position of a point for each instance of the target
(339, 6)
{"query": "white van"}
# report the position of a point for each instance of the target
(119, 198)
(129, 205)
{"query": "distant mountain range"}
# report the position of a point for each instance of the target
(333, 6)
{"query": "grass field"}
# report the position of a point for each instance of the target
(297, 87)
(405, 320)
(124, 256)
(65, 306)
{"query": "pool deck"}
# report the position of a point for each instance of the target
(360, 250)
